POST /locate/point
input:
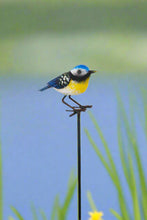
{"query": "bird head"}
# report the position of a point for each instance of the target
(81, 72)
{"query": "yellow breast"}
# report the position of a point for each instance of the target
(75, 88)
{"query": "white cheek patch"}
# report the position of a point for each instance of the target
(75, 72)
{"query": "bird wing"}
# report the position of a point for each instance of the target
(60, 82)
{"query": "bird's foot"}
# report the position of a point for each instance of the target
(76, 109)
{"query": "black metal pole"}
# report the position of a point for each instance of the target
(79, 162)
(77, 110)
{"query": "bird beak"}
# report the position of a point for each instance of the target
(92, 71)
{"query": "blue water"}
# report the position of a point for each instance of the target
(39, 144)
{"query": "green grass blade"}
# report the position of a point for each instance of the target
(91, 202)
(61, 211)
(1, 185)
(135, 148)
(11, 218)
(18, 215)
(116, 214)
(144, 92)
(145, 113)
(123, 158)
(142, 179)
(129, 175)
(71, 178)
(55, 208)
(114, 176)
(68, 198)
(135, 199)
(112, 171)
(43, 215)
(103, 141)
(34, 213)
(104, 162)
(60, 214)
(105, 145)
(140, 169)
(123, 205)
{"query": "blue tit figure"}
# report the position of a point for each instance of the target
(71, 83)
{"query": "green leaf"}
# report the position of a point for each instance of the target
(116, 214)
(43, 215)
(1, 184)
(69, 197)
(18, 215)
(135, 150)
(110, 159)
(123, 157)
(104, 162)
(142, 179)
(103, 141)
(135, 198)
(61, 211)
(110, 167)
(129, 174)
(91, 202)
(71, 179)
(144, 92)
(34, 213)
(11, 218)
(55, 208)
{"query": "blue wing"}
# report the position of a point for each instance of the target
(54, 83)
(60, 81)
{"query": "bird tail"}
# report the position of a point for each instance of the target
(44, 88)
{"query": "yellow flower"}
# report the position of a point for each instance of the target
(95, 215)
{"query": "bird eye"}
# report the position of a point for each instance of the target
(79, 71)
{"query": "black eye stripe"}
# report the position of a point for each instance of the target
(79, 71)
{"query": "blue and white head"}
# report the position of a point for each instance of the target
(81, 72)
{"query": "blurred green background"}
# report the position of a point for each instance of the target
(41, 37)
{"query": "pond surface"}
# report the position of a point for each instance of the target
(39, 144)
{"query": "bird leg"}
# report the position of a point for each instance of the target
(81, 106)
(67, 103)
(74, 110)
